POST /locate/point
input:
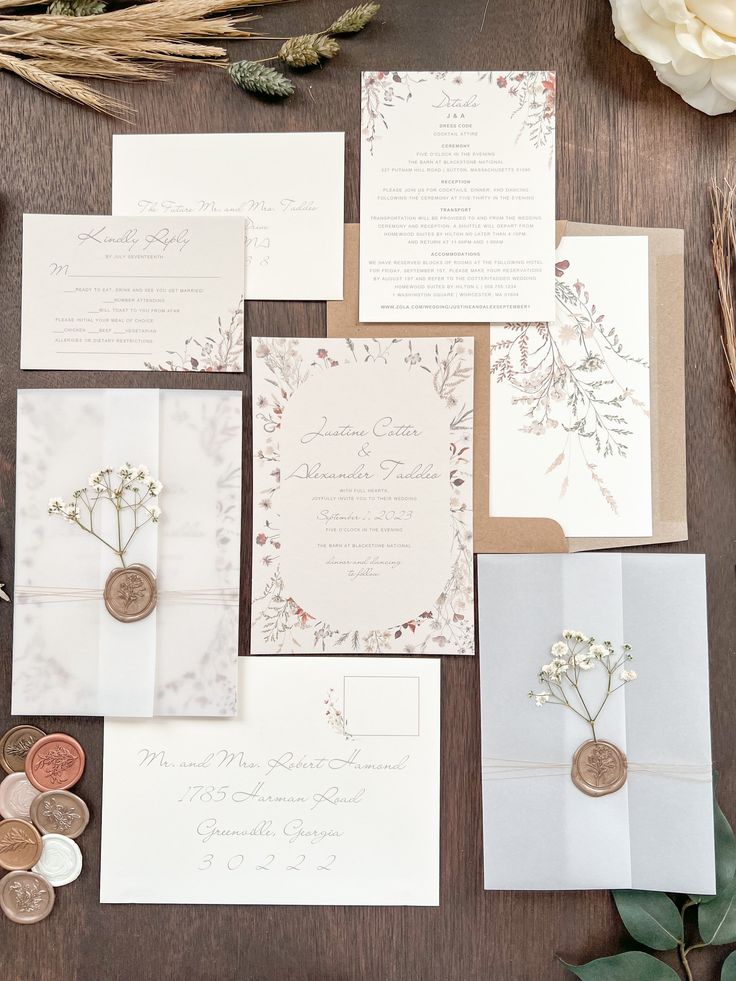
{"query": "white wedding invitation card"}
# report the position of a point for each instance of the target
(287, 187)
(570, 399)
(362, 496)
(132, 294)
(156, 476)
(626, 803)
(457, 196)
(323, 791)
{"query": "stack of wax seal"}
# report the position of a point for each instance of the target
(40, 820)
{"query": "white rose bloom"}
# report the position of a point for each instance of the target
(691, 44)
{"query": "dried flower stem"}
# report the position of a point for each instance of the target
(723, 199)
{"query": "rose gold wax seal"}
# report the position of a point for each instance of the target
(14, 747)
(20, 845)
(60, 812)
(55, 762)
(26, 897)
(130, 593)
(599, 768)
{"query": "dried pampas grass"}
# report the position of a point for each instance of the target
(723, 202)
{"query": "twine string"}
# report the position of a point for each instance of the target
(213, 596)
(521, 769)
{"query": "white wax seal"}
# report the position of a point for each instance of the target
(17, 793)
(61, 860)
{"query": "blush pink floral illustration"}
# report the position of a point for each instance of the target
(534, 94)
(565, 384)
(221, 351)
(282, 621)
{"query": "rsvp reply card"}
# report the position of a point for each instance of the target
(287, 187)
(324, 790)
(362, 496)
(132, 294)
(457, 196)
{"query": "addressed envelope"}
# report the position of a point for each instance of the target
(667, 395)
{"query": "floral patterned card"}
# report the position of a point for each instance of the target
(570, 399)
(362, 496)
(324, 790)
(457, 196)
(132, 294)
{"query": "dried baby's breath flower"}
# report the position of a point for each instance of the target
(574, 654)
(256, 77)
(355, 19)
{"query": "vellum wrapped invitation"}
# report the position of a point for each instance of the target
(158, 633)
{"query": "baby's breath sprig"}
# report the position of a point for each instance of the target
(575, 654)
(132, 492)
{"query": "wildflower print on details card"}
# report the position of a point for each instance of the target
(132, 294)
(570, 399)
(595, 722)
(457, 206)
(127, 552)
(362, 496)
(323, 790)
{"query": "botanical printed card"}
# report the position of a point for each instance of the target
(362, 496)
(127, 552)
(457, 197)
(595, 722)
(323, 791)
(132, 294)
(570, 399)
(287, 187)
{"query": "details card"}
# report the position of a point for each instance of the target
(132, 294)
(287, 187)
(457, 196)
(362, 498)
(324, 790)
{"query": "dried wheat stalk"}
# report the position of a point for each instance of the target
(723, 201)
(64, 88)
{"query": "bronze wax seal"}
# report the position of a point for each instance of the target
(55, 762)
(20, 845)
(599, 768)
(26, 897)
(60, 812)
(130, 593)
(14, 747)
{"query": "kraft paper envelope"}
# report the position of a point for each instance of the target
(667, 367)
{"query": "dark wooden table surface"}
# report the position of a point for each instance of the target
(629, 152)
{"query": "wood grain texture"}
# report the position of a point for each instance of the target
(630, 152)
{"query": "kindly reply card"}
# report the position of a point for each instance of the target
(457, 196)
(362, 496)
(323, 791)
(132, 294)
(287, 187)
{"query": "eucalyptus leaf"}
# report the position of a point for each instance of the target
(725, 842)
(728, 971)
(650, 917)
(634, 966)
(717, 918)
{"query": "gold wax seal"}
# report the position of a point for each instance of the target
(599, 768)
(130, 593)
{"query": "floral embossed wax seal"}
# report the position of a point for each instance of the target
(130, 590)
(55, 762)
(581, 676)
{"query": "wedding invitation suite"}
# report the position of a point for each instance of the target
(287, 187)
(130, 294)
(362, 496)
(323, 791)
(570, 399)
(457, 196)
(127, 552)
(624, 802)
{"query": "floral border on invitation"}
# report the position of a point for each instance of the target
(533, 93)
(284, 625)
(222, 352)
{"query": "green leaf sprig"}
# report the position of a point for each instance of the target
(655, 920)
